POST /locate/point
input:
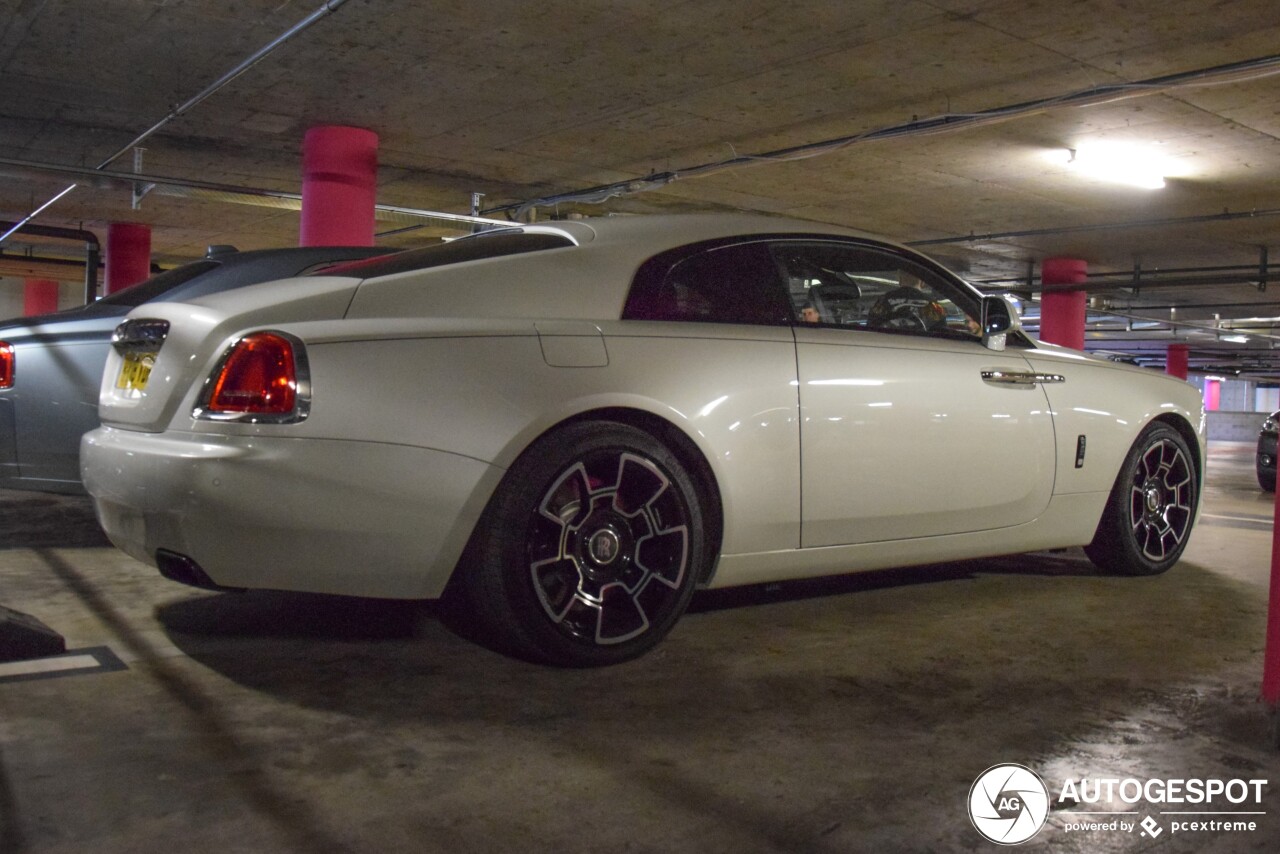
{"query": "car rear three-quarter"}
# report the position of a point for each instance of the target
(567, 429)
(52, 364)
(211, 464)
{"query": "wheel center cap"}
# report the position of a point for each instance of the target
(1152, 493)
(604, 546)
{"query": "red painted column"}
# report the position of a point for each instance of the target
(339, 186)
(1062, 312)
(1271, 648)
(39, 296)
(1175, 364)
(128, 256)
(1212, 395)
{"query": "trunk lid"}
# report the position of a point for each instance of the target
(166, 350)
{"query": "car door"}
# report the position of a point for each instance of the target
(906, 430)
(56, 396)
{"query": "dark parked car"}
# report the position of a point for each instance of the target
(1267, 452)
(51, 365)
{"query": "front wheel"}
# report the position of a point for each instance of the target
(1148, 517)
(590, 550)
(1266, 479)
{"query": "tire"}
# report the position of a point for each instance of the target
(1266, 479)
(589, 551)
(1152, 506)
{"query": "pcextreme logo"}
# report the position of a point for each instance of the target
(1009, 804)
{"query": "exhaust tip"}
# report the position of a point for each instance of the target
(184, 570)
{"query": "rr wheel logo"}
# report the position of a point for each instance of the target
(1008, 804)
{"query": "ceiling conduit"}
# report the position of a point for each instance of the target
(326, 9)
(1235, 72)
(191, 188)
(92, 249)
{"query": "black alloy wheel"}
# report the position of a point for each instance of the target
(1152, 506)
(590, 550)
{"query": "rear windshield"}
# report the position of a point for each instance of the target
(487, 244)
(158, 284)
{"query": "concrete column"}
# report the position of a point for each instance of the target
(1062, 312)
(1176, 362)
(1212, 395)
(339, 186)
(39, 296)
(128, 255)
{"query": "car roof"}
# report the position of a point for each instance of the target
(585, 275)
(218, 272)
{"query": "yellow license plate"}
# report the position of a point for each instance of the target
(135, 371)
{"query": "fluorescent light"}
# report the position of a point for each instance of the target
(1236, 339)
(1116, 163)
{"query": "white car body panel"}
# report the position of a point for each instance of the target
(427, 385)
(1107, 402)
(359, 518)
(200, 331)
(879, 409)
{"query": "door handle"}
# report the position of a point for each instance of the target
(1021, 378)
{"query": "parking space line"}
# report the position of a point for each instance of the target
(73, 663)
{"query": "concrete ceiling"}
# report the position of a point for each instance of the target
(525, 100)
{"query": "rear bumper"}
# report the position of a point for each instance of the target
(316, 515)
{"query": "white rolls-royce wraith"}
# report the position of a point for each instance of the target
(570, 427)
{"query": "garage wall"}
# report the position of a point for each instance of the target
(1234, 426)
(12, 290)
(11, 298)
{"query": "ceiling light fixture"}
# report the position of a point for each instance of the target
(1116, 163)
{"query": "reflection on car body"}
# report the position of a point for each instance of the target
(567, 428)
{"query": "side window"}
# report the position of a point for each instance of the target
(736, 283)
(859, 287)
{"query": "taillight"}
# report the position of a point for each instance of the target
(6, 364)
(262, 378)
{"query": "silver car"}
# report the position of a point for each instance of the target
(51, 365)
(567, 428)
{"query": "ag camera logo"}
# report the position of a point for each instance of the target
(1008, 804)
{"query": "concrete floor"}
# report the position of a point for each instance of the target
(847, 715)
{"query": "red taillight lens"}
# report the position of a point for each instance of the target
(6, 364)
(258, 377)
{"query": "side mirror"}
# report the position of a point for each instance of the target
(999, 318)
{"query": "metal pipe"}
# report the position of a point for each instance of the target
(328, 8)
(92, 254)
(92, 249)
(56, 231)
(1247, 69)
(1149, 283)
(1078, 229)
(325, 9)
(234, 190)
